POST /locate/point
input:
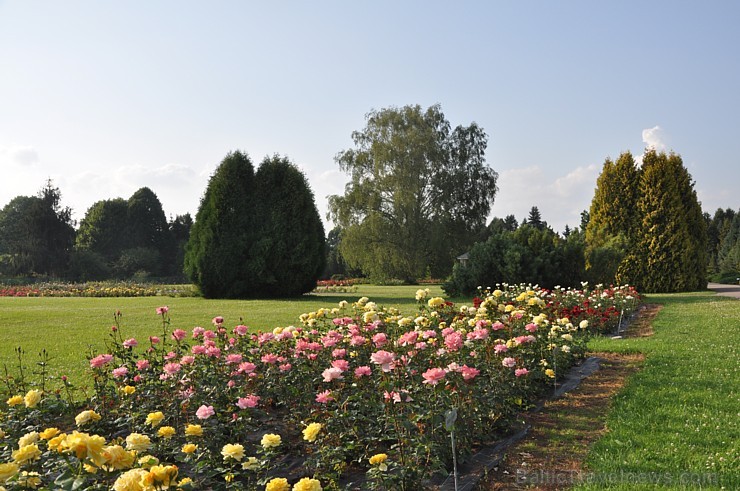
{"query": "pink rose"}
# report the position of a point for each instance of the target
(162, 310)
(509, 362)
(120, 372)
(205, 412)
(469, 373)
(363, 371)
(453, 341)
(142, 364)
(100, 360)
(519, 372)
(332, 374)
(218, 320)
(249, 401)
(179, 334)
(343, 365)
(433, 376)
(233, 358)
(380, 339)
(241, 330)
(324, 397)
(384, 359)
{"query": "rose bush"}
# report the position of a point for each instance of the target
(354, 392)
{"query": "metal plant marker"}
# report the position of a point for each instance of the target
(450, 418)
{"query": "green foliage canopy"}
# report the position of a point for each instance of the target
(418, 194)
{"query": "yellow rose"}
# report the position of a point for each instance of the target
(233, 451)
(270, 440)
(166, 432)
(184, 482)
(86, 416)
(251, 464)
(8, 470)
(550, 373)
(189, 448)
(55, 443)
(29, 479)
(312, 431)
(15, 400)
(90, 469)
(160, 477)
(130, 480)
(436, 302)
(138, 442)
(278, 484)
(26, 454)
(85, 446)
(307, 484)
(49, 433)
(28, 439)
(116, 457)
(193, 430)
(128, 390)
(32, 397)
(154, 419)
(378, 459)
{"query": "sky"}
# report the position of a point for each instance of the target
(105, 97)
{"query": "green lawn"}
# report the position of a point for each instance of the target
(676, 425)
(68, 327)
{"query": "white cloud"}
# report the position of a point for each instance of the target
(560, 200)
(654, 138)
(18, 155)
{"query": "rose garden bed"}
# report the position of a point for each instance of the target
(355, 396)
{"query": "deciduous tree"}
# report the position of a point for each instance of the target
(419, 193)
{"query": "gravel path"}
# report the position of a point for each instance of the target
(725, 290)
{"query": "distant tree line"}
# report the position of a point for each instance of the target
(415, 206)
(117, 238)
(723, 245)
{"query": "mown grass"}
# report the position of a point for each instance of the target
(68, 328)
(676, 425)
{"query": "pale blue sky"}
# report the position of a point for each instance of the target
(107, 96)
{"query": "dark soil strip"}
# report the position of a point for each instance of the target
(551, 455)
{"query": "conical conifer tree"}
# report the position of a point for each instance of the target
(613, 217)
(217, 256)
(669, 250)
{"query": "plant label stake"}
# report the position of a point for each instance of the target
(450, 418)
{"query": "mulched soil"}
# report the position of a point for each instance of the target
(551, 456)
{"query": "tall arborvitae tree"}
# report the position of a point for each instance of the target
(289, 252)
(668, 252)
(613, 218)
(217, 256)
